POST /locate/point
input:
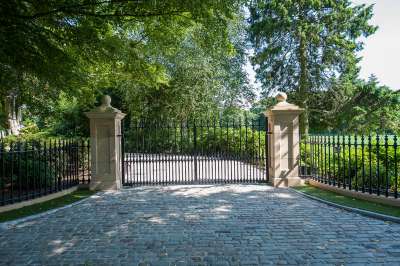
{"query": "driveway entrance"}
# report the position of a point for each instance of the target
(201, 225)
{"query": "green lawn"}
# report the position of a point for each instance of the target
(44, 206)
(350, 202)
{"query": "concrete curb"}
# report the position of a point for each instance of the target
(375, 215)
(10, 224)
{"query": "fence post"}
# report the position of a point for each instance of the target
(105, 132)
(284, 143)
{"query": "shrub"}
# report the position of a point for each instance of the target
(235, 143)
(351, 163)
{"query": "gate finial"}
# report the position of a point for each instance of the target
(281, 96)
(106, 105)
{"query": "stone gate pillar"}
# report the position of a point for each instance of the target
(284, 143)
(105, 146)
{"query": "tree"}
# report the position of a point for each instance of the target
(85, 47)
(302, 46)
(355, 106)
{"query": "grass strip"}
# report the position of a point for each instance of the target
(349, 201)
(45, 206)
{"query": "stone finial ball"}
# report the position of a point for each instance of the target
(106, 100)
(281, 97)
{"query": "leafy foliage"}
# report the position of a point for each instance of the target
(228, 140)
(302, 46)
(164, 57)
(343, 161)
(356, 106)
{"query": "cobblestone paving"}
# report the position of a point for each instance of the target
(201, 225)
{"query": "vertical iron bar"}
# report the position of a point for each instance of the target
(312, 153)
(19, 170)
(245, 152)
(175, 152)
(188, 153)
(378, 174)
(349, 166)
(226, 164)
(153, 141)
(148, 155)
(123, 159)
(181, 154)
(329, 160)
(325, 162)
(201, 153)
(344, 161)
(305, 138)
(63, 183)
(45, 154)
(356, 160)
(234, 153)
(210, 148)
(143, 157)
(215, 151)
(259, 130)
(363, 162)
(334, 160)
(33, 168)
(318, 139)
(266, 151)
(395, 167)
(252, 152)
(42, 179)
(3, 172)
(82, 158)
(387, 184)
(170, 152)
(370, 163)
(12, 173)
(195, 150)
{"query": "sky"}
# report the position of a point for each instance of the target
(381, 54)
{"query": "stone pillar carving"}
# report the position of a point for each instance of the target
(105, 144)
(284, 143)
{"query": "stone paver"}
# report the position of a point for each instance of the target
(201, 225)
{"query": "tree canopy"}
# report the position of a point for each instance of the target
(166, 58)
(179, 59)
(304, 46)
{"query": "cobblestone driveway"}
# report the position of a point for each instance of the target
(201, 225)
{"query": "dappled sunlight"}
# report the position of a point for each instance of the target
(284, 195)
(157, 220)
(222, 209)
(173, 215)
(58, 246)
(26, 224)
(163, 220)
(191, 216)
(209, 190)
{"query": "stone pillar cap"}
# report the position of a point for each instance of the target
(283, 105)
(105, 109)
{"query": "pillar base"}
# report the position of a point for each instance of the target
(104, 185)
(288, 182)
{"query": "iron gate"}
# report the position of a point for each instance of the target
(193, 152)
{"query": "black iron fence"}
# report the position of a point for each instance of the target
(32, 169)
(195, 151)
(365, 163)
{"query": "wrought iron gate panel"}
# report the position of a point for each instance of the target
(195, 152)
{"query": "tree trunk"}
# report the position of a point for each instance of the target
(303, 85)
(12, 123)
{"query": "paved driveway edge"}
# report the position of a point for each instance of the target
(375, 215)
